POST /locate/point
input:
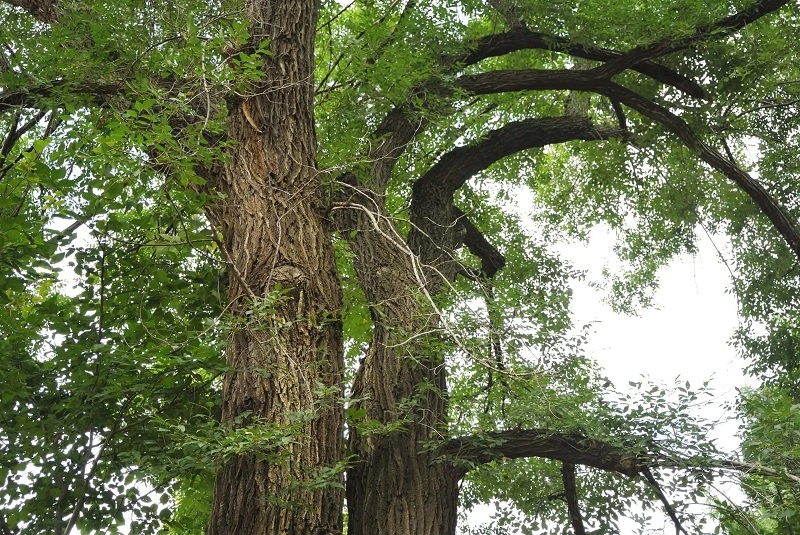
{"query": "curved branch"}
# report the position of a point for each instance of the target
(439, 228)
(521, 38)
(752, 187)
(504, 81)
(455, 167)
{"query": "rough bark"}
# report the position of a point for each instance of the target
(277, 246)
(396, 484)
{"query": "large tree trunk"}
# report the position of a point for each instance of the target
(397, 484)
(277, 244)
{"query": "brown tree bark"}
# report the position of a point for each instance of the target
(397, 483)
(278, 248)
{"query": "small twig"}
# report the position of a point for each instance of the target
(234, 269)
(668, 506)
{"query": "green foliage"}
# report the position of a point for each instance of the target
(111, 331)
(770, 439)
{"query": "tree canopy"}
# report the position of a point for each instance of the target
(260, 255)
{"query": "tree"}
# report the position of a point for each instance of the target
(323, 191)
(770, 424)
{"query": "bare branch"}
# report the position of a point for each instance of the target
(548, 444)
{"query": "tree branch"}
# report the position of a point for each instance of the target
(29, 97)
(521, 38)
(455, 167)
(752, 187)
(673, 515)
(737, 466)
(504, 81)
(548, 444)
(438, 228)
(571, 494)
(492, 260)
(705, 32)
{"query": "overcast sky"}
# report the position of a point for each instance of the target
(685, 334)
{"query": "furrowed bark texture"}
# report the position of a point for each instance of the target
(276, 241)
(396, 484)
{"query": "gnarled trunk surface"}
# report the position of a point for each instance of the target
(398, 483)
(278, 247)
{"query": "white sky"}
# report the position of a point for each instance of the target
(686, 334)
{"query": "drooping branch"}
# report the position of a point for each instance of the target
(400, 126)
(571, 495)
(521, 38)
(752, 187)
(673, 515)
(544, 443)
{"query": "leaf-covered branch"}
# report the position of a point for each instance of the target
(706, 32)
(516, 80)
(752, 187)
